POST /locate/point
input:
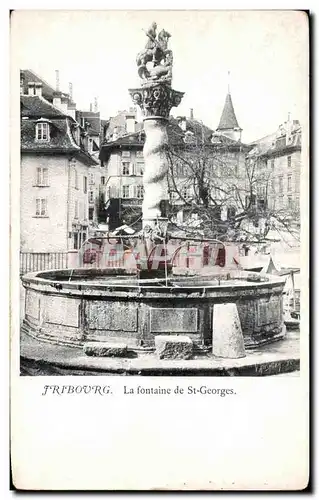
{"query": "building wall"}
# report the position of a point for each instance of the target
(53, 232)
(78, 207)
(116, 177)
(95, 174)
(285, 181)
(231, 172)
(49, 233)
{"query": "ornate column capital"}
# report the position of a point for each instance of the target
(156, 99)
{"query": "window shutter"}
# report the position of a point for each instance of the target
(38, 176)
(45, 176)
(133, 193)
(43, 206)
(37, 206)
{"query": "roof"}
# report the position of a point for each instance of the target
(273, 145)
(93, 119)
(60, 137)
(119, 122)
(38, 107)
(30, 76)
(277, 144)
(228, 119)
(197, 131)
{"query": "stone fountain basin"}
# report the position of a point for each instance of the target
(72, 307)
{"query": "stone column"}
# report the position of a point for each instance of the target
(155, 100)
(156, 169)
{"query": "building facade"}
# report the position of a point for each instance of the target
(278, 160)
(55, 168)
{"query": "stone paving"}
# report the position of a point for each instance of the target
(43, 358)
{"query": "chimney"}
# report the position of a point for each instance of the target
(115, 134)
(72, 109)
(71, 91)
(64, 104)
(95, 105)
(38, 89)
(31, 88)
(57, 80)
(130, 123)
(191, 114)
(288, 129)
(182, 122)
(57, 99)
(90, 107)
(21, 83)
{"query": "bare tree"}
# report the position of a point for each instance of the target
(226, 189)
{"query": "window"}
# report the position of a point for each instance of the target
(272, 163)
(103, 180)
(75, 241)
(289, 182)
(139, 191)
(91, 178)
(76, 179)
(125, 168)
(42, 176)
(179, 169)
(42, 131)
(297, 202)
(139, 154)
(231, 212)
(85, 184)
(84, 237)
(139, 168)
(261, 191)
(91, 213)
(280, 184)
(289, 161)
(126, 154)
(186, 193)
(76, 209)
(91, 196)
(281, 201)
(125, 191)
(41, 209)
(289, 201)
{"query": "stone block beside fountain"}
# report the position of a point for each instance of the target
(173, 347)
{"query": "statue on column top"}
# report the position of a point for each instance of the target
(156, 53)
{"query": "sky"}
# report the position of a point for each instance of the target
(266, 53)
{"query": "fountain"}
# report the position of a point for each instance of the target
(176, 310)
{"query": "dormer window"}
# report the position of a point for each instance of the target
(42, 132)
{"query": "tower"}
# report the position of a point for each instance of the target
(228, 124)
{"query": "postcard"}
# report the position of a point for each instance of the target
(159, 208)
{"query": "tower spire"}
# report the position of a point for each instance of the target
(228, 124)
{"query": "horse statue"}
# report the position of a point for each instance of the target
(155, 52)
